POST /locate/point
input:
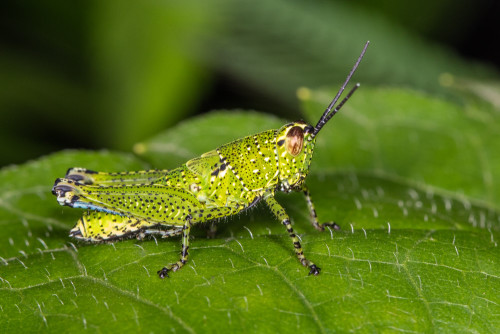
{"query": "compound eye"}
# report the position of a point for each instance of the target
(294, 140)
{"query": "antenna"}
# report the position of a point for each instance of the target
(328, 114)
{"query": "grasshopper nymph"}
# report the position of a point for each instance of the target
(219, 183)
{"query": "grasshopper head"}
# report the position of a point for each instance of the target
(295, 145)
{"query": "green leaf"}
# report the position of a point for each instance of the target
(409, 257)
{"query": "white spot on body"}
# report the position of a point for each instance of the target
(222, 173)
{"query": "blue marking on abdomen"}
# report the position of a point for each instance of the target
(83, 205)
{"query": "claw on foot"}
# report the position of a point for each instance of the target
(314, 270)
(163, 272)
(333, 225)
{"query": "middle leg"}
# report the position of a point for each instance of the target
(280, 213)
(184, 252)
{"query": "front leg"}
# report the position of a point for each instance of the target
(184, 253)
(280, 213)
(312, 211)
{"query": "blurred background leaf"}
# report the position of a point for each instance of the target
(93, 74)
(318, 40)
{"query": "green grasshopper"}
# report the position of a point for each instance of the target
(219, 183)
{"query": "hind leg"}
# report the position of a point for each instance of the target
(98, 226)
(184, 252)
(91, 177)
